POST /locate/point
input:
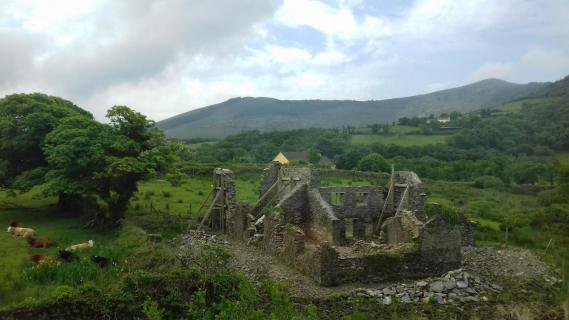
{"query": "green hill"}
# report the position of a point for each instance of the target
(267, 114)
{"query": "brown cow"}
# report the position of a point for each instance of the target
(40, 243)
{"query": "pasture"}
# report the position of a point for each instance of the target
(157, 207)
(407, 140)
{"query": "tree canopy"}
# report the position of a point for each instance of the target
(92, 167)
(25, 120)
(90, 160)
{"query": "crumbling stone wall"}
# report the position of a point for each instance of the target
(269, 177)
(350, 208)
(309, 232)
(381, 177)
(293, 242)
(295, 205)
(401, 228)
(467, 230)
(273, 228)
(326, 225)
(360, 217)
(223, 213)
(440, 245)
(416, 196)
(239, 221)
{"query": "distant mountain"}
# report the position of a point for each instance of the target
(267, 114)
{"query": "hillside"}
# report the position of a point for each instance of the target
(267, 114)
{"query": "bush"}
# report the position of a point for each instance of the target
(175, 179)
(549, 197)
(485, 182)
(451, 215)
(166, 194)
(373, 162)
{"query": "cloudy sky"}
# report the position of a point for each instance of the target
(164, 57)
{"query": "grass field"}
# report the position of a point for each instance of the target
(40, 213)
(402, 140)
(562, 157)
(20, 282)
(14, 251)
(185, 200)
(495, 209)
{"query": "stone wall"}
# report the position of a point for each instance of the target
(440, 245)
(239, 221)
(416, 192)
(369, 208)
(269, 177)
(401, 228)
(293, 242)
(224, 183)
(295, 205)
(467, 230)
(273, 228)
(380, 177)
(326, 226)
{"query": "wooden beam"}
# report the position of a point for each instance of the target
(209, 210)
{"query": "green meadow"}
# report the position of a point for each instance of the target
(404, 140)
(158, 207)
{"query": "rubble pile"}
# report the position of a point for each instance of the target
(454, 287)
(195, 237)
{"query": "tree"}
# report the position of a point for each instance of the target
(25, 120)
(93, 161)
(373, 162)
(314, 156)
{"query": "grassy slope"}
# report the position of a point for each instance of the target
(267, 114)
(402, 140)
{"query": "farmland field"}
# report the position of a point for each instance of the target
(402, 140)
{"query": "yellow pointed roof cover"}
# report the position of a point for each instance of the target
(281, 158)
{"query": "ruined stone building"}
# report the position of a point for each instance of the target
(342, 234)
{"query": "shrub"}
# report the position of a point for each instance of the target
(450, 214)
(485, 182)
(549, 197)
(373, 162)
(152, 311)
(166, 194)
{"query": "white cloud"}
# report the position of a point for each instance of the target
(330, 58)
(548, 64)
(284, 55)
(316, 14)
(493, 70)
(168, 56)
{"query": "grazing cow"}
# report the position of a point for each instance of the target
(100, 261)
(67, 256)
(80, 247)
(41, 259)
(21, 232)
(40, 243)
(16, 224)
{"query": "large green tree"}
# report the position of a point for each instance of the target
(25, 120)
(101, 164)
(373, 162)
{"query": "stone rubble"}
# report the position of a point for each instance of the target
(195, 237)
(454, 287)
